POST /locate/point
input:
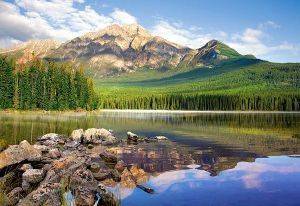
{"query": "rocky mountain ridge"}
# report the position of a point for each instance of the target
(123, 49)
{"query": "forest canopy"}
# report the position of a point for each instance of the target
(44, 85)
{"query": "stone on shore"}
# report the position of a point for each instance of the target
(77, 135)
(17, 153)
(161, 138)
(51, 139)
(108, 157)
(25, 167)
(15, 195)
(132, 137)
(54, 153)
(99, 136)
(45, 194)
(33, 176)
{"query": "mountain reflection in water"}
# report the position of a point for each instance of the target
(211, 158)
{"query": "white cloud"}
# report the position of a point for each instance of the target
(58, 19)
(174, 32)
(122, 17)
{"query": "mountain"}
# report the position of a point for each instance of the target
(34, 48)
(124, 49)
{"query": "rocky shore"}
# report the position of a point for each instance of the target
(74, 170)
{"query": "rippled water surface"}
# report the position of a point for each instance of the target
(211, 158)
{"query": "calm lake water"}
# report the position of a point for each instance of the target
(211, 158)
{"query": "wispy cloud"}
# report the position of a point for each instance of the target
(123, 17)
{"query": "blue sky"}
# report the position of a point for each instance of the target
(269, 29)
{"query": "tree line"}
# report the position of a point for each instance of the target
(44, 85)
(204, 102)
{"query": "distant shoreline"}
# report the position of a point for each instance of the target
(194, 111)
(99, 111)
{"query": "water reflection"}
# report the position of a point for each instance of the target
(267, 181)
(212, 159)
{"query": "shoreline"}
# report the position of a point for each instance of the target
(141, 111)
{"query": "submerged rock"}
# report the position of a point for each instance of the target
(17, 153)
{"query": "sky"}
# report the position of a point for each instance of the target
(268, 29)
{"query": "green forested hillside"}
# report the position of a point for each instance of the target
(238, 84)
(40, 85)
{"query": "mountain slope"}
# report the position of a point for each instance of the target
(24, 52)
(236, 84)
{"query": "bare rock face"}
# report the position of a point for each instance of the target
(32, 49)
(16, 153)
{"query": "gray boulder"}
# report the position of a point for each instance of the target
(33, 176)
(54, 153)
(77, 135)
(17, 153)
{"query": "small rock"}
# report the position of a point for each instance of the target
(33, 176)
(84, 196)
(25, 185)
(120, 166)
(25, 167)
(77, 135)
(54, 153)
(15, 195)
(115, 175)
(95, 167)
(102, 174)
(72, 144)
(46, 168)
(109, 140)
(108, 157)
(41, 148)
(49, 136)
(161, 138)
(132, 137)
(51, 139)
(90, 146)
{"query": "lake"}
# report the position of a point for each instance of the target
(211, 158)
